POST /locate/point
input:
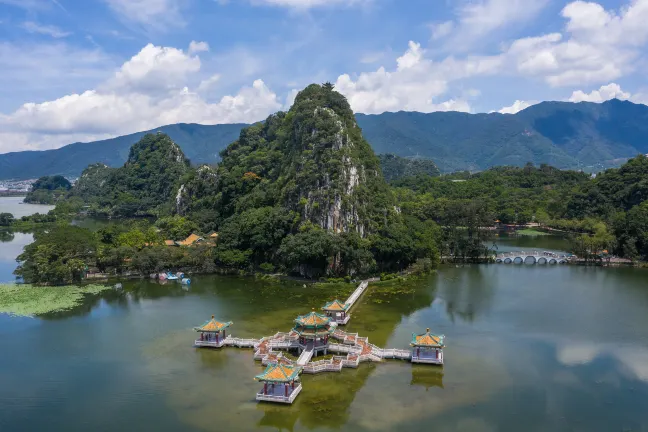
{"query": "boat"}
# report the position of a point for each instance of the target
(171, 276)
(186, 281)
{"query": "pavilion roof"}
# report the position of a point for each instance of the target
(279, 373)
(315, 331)
(213, 326)
(313, 319)
(193, 238)
(335, 306)
(427, 339)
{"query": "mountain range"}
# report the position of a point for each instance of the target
(563, 134)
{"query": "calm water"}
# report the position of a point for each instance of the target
(15, 206)
(530, 348)
(12, 243)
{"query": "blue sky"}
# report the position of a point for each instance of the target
(79, 70)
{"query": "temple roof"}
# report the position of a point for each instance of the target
(313, 319)
(315, 331)
(427, 339)
(279, 373)
(335, 306)
(213, 326)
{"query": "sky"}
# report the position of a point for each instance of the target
(82, 70)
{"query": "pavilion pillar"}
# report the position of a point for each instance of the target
(265, 388)
(286, 390)
(293, 385)
(436, 354)
(418, 352)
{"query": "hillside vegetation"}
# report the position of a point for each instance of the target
(48, 190)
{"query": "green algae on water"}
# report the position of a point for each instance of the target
(531, 232)
(29, 300)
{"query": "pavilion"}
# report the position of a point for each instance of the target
(427, 348)
(337, 311)
(280, 383)
(314, 330)
(212, 333)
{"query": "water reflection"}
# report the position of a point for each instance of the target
(467, 291)
(529, 348)
(426, 376)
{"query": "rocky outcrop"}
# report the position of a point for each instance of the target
(202, 183)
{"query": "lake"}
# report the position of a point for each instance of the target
(12, 243)
(529, 348)
(15, 206)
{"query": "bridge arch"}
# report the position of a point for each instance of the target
(553, 261)
(508, 260)
(518, 260)
(542, 260)
(529, 259)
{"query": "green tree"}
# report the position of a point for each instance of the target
(6, 219)
(58, 256)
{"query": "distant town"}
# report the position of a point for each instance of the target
(19, 187)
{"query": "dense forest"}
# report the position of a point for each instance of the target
(304, 193)
(48, 190)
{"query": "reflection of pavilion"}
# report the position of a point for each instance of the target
(426, 377)
(279, 383)
(427, 348)
(337, 311)
(212, 333)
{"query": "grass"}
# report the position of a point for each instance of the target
(28, 300)
(531, 232)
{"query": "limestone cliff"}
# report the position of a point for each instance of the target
(313, 160)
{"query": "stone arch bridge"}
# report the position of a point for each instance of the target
(522, 257)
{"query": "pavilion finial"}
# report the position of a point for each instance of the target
(427, 330)
(212, 316)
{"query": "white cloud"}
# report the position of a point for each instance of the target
(517, 106)
(633, 358)
(414, 86)
(605, 93)
(209, 83)
(144, 93)
(52, 31)
(156, 14)
(195, 47)
(478, 19)
(602, 45)
(155, 69)
(441, 30)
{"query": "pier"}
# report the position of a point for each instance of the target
(316, 334)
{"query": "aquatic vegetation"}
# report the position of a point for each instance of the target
(29, 300)
(531, 232)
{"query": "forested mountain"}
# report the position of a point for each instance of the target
(48, 190)
(395, 167)
(143, 186)
(301, 191)
(200, 143)
(562, 134)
